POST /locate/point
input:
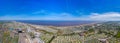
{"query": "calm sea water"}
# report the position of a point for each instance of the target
(55, 23)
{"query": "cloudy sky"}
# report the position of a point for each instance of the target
(102, 10)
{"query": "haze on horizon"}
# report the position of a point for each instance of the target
(103, 10)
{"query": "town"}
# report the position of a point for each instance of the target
(17, 32)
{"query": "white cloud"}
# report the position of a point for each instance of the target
(58, 16)
(40, 12)
(109, 16)
(50, 16)
(11, 17)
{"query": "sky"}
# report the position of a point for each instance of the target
(99, 10)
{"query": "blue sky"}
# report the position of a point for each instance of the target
(59, 10)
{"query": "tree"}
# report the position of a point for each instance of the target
(32, 34)
(91, 30)
(59, 32)
(118, 34)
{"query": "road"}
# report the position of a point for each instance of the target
(23, 38)
(26, 38)
(37, 40)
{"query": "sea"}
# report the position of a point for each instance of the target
(55, 23)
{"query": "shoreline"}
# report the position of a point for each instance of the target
(61, 26)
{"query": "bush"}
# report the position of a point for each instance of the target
(91, 30)
(118, 34)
